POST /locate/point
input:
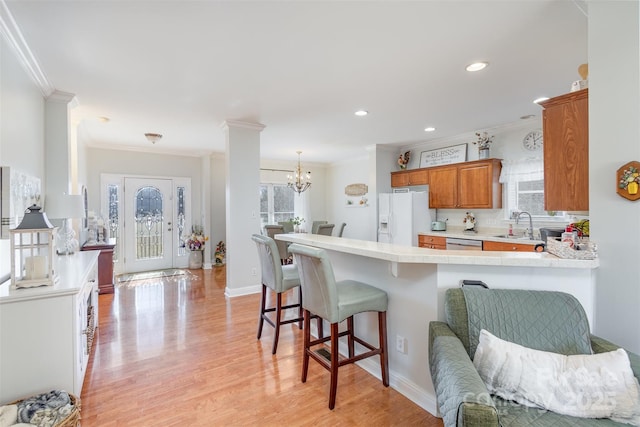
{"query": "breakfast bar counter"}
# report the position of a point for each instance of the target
(416, 280)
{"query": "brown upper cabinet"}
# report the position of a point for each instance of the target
(469, 185)
(565, 121)
(410, 177)
(472, 185)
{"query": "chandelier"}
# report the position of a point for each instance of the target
(297, 181)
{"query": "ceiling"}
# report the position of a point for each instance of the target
(302, 68)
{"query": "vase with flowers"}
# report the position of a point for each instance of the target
(297, 222)
(484, 144)
(195, 244)
(221, 251)
(403, 159)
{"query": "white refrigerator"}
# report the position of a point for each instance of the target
(401, 216)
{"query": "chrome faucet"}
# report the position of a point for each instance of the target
(530, 223)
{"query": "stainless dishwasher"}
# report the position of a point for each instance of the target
(464, 244)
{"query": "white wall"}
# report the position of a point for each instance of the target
(357, 217)
(100, 160)
(21, 128)
(218, 206)
(614, 139)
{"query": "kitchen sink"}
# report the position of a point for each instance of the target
(514, 237)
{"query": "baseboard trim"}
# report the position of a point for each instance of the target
(238, 292)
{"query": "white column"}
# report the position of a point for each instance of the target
(614, 135)
(242, 206)
(60, 148)
(205, 207)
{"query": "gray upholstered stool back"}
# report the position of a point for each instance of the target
(270, 264)
(543, 320)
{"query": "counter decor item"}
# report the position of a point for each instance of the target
(469, 222)
(32, 246)
(584, 249)
(628, 178)
(484, 144)
(403, 159)
(221, 251)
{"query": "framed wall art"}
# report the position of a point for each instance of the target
(18, 191)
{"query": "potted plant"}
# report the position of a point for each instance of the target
(484, 143)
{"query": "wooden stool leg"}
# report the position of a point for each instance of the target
(384, 357)
(320, 327)
(300, 306)
(307, 339)
(334, 365)
(278, 317)
(262, 304)
(350, 336)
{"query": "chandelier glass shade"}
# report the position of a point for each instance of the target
(298, 181)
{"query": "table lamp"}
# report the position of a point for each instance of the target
(65, 207)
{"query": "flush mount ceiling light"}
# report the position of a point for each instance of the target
(103, 119)
(297, 181)
(153, 137)
(429, 129)
(361, 113)
(477, 66)
(541, 99)
(528, 116)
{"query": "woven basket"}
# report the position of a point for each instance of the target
(562, 250)
(71, 420)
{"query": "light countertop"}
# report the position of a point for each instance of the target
(411, 254)
(486, 235)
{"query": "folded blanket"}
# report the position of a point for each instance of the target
(45, 410)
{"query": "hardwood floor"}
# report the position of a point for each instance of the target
(176, 352)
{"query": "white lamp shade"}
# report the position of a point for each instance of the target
(64, 206)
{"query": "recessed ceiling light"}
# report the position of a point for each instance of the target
(361, 113)
(429, 129)
(103, 119)
(477, 66)
(541, 99)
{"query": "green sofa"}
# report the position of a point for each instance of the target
(543, 320)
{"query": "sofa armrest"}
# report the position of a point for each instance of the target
(600, 345)
(462, 396)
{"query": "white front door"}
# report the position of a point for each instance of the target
(148, 224)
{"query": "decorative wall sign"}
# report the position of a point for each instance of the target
(628, 181)
(444, 156)
(356, 189)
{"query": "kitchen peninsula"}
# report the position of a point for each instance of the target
(416, 280)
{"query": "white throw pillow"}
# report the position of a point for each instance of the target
(584, 385)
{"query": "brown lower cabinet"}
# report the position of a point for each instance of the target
(432, 242)
(506, 246)
(105, 267)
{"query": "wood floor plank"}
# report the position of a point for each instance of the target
(177, 352)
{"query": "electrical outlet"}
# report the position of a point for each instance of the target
(254, 272)
(401, 344)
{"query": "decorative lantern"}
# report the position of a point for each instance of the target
(32, 249)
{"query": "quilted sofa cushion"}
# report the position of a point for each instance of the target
(542, 320)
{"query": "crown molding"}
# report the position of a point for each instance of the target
(13, 36)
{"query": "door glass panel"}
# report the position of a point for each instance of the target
(149, 222)
(282, 203)
(180, 225)
(114, 224)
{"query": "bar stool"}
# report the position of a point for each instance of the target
(279, 278)
(326, 229)
(335, 302)
(271, 230)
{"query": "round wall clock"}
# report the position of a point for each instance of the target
(533, 140)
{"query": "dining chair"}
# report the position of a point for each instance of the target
(341, 229)
(279, 278)
(315, 225)
(271, 230)
(335, 302)
(325, 229)
(287, 225)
